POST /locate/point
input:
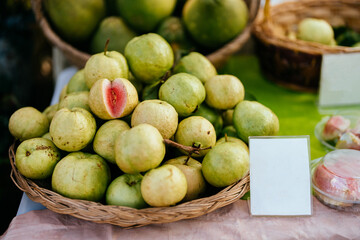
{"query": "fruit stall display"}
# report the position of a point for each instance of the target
(292, 37)
(216, 29)
(135, 136)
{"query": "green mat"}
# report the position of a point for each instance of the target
(298, 112)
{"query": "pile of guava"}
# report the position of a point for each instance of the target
(141, 130)
(194, 25)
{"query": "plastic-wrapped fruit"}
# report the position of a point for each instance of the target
(112, 99)
(348, 140)
(315, 30)
(28, 122)
(336, 179)
(149, 57)
(334, 127)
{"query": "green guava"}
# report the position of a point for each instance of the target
(191, 168)
(196, 64)
(104, 140)
(76, 99)
(212, 23)
(149, 57)
(139, 149)
(157, 113)
(144, 15)
(227, 116)
(252, 118)
(105, 65)
(315, 30)
(184, 92)
(115, 29)
(72, 130)
(234, 140)
(75, 21)
(50, 111)
(224, 91)
(225, 164)
(164, 186)
(196, 131)
(125, 190)
(36, 158)
(212, 115)
(77, 82)
(28, 122)
(81, 176)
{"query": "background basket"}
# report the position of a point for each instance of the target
(125, 216)
(79, 58)
(296, 64)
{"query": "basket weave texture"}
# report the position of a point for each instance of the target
(296, 64)
(124, 216)
(79, 58)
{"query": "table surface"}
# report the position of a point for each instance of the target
(298, 115)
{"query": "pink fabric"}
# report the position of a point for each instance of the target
(230, 222)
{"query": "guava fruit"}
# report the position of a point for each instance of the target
(212, 115)
(172, 29)
(50, 111)
(229, 131)
(47, 136)
(196, 131)
(227, 116)
(115, 29)
(224, 91)
(63, 92)
(234, 140)
(81, 176)
(144, 15)
(151, 91)
(112, 99)
(104, 140)
(72, 130)
(315, 30)
(252, 118)
(75, 21)
(184, 92)
(77, 82)
(75, 99)
(164, 186)
(348, 140)
(214, 23)
(28, 122)
(108, 64)
(191, 168)
(334, 127)
(125, 191)
(356, 45)
(137, 84)
(225, 164)
(139, 149)
(157, 113)
(196, 64)
(36, 158)
(149, 57)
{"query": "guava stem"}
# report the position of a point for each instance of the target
(106, 46)
(226, 139)
(187, 159)
(188, 149)
(165, 77)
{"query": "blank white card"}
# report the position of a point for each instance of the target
(280, 176)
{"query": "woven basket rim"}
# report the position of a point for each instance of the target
(125, 217)
(79, 58)
(261, 28)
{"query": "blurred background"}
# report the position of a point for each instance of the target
(26, 79)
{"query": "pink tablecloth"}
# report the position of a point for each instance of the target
(230, 222)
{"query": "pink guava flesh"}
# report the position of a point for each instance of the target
(334, 127)
(115, 97)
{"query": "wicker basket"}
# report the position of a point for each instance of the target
(124, 216)
(79, 58)
(296, 64)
